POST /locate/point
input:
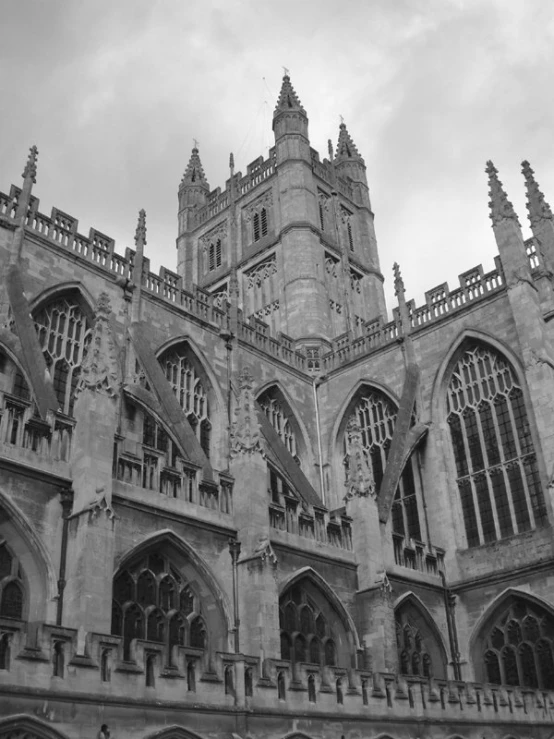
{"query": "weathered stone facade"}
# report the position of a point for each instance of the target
(236, 501)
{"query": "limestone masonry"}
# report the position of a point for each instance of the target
(236, 501)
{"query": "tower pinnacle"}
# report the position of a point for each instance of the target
(537, 206)
(30, 171)
(288, 99)
(399, 288)
(140, 233)
(346, 148)
(500, 207)
(194, 173)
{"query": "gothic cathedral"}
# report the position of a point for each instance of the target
(238, 502)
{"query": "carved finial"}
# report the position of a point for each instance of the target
(285, 72)
(500, 207)
(100, 370)
(359, 472)
(245, 435)
(195, 143)
(140, 233)
(330, 149)
(398, 281)
(30, 171)
(537, 206)
(231, 162)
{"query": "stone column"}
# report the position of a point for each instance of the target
(90, 549)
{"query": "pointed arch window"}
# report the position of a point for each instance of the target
(419, 651)
(496, 465)
(259, 224)
(308, 630)
(153, 601)
(214, 255)
(12, 592)
(518, 648)
(191, 391)
(376, 417)
(281, 418)
(64, 333)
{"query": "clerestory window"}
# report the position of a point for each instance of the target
(64, 334)
(496, 464)
(280, 417)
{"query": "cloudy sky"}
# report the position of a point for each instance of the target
(114, 91)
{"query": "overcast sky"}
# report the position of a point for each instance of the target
(114, 91)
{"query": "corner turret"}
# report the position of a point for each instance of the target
(290, 125)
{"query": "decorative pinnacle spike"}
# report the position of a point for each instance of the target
(140, 233)
(231, 161)
(500, 207)
(537, 206)
(330, 149)
(398, 281)
(31, 166)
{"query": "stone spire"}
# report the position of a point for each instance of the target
(194, 173)
(500, 207)
(537, 206)
(288, 99)
(346, 148)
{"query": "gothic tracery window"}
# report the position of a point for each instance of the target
(153, 601)
(11, 585)
(306, 634)
(259, 224)
(518, 647)
(64, 334)
(280, 418)
(190, 390)
(419, 652)
(376, 416)
(496, 465)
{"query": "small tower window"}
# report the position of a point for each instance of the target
(259, 224)
(350, 237)
(58, 661)
(263, 221)
(214, 255)
(311, 689)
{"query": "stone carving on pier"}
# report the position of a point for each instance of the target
(100, 370)
(245, 434)
(359, 473)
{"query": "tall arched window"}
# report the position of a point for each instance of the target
(376, 417)
(419, 650)
(496, 465)
(64, 334)
(311, 630)
(517, 648)
(183, 376)
(281, 418)
(153, 601)
(11, 585)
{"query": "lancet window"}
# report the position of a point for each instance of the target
(518, 648)
(11, 585)
(153, 601)
(190, 390)
(214, 255)
(496, 464)
(64, 334)
(259, 224)
(419, 651)
(306, 634)
(280, 418)
(376, 416)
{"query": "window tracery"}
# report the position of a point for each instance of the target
(305, 632)
(419, 652)
(153, 601)
(275, 409)
(12, 592)
(64, 334)
(518, 648)
(496, 465)
(190, 390)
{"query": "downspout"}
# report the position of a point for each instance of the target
(315, 383)
(234, 550)
(449, 600)
(66, 496)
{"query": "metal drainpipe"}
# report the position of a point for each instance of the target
(319, 448)
(451, 625)
(66, 501)
(234, 549)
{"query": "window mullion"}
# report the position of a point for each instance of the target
(527, 493)
(471, 481)
(487, 476)
(521, 468)
(502, 465)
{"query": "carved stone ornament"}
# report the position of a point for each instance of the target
(219, 232)
(537, 206)
(359, 473)
(102, 502)
(245, 435)
(265, 200)
(100, 369)
(265, 551)
(384, 585)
